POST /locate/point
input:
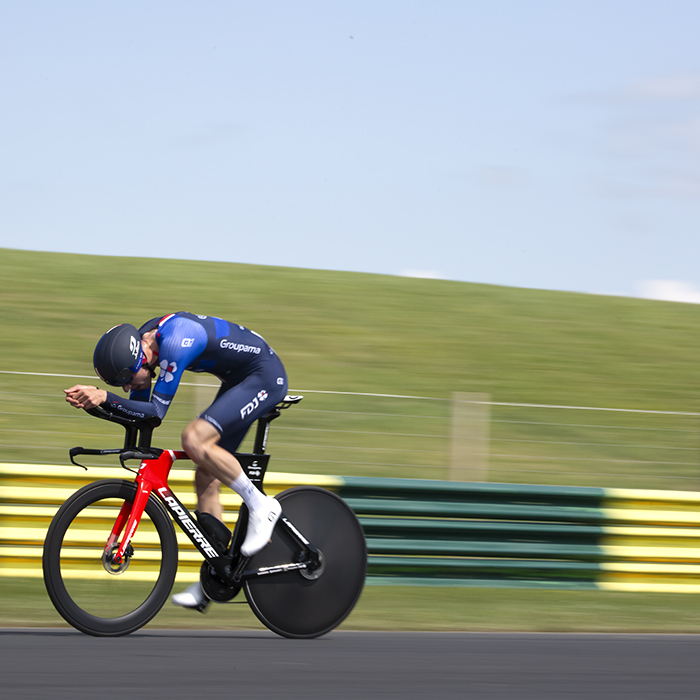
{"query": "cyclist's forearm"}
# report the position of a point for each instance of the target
(135, 409)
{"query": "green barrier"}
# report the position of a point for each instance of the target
(422, 532)
(444, 533)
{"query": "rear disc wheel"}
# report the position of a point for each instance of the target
(301, 604)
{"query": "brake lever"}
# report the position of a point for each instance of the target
(76, 451)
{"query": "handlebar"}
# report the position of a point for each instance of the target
(124, 454)
(137, 441)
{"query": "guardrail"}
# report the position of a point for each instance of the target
(422, 532)
(506, 535)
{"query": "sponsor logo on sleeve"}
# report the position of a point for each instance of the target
(187, 342)
(167, 370)
(136, 414)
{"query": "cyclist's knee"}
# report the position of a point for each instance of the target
(197, 440)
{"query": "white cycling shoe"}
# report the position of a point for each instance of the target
(261, 523)
(192, 597)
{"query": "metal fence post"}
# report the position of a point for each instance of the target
(469, 436)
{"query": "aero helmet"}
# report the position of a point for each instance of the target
(118, 355)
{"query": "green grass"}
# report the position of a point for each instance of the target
(24, 603)
(348, 332)
(368, 333)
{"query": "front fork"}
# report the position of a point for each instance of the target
(115, 557)
(152, 473)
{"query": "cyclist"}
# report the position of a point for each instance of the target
(252, 377)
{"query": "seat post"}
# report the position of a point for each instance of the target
(262, 431)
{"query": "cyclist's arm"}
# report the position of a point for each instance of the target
(130, 408)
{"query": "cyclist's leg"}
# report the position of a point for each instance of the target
(200, 440)
(222, 427)
(211, 441)
(207, 490)
(207, 485)
(196, 441)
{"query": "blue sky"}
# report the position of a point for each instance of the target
(545, 144)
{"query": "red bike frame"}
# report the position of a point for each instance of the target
(152, 475)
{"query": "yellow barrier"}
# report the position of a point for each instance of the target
(427, 532)
(31, 494)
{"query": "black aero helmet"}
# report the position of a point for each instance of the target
(118, 355)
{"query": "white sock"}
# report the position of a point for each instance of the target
(247, 490)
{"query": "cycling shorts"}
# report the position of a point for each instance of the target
(237, 406)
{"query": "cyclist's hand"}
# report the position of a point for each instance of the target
(86, 397)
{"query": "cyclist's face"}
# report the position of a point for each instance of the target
(141, 380)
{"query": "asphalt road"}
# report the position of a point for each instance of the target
(54, 664)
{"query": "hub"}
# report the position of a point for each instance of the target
(109, 562)
(314, 569)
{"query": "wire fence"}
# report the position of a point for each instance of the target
(393, 436)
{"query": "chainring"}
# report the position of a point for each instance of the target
(214, 588)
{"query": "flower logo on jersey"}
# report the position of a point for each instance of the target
(167, 370)
(262, 395)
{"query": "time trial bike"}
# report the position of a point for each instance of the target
(111, 552)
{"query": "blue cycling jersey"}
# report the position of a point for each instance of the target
(186, 341)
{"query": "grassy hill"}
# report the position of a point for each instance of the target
(350, 332)
(368, 333)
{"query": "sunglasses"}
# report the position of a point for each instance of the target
(126, 375)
